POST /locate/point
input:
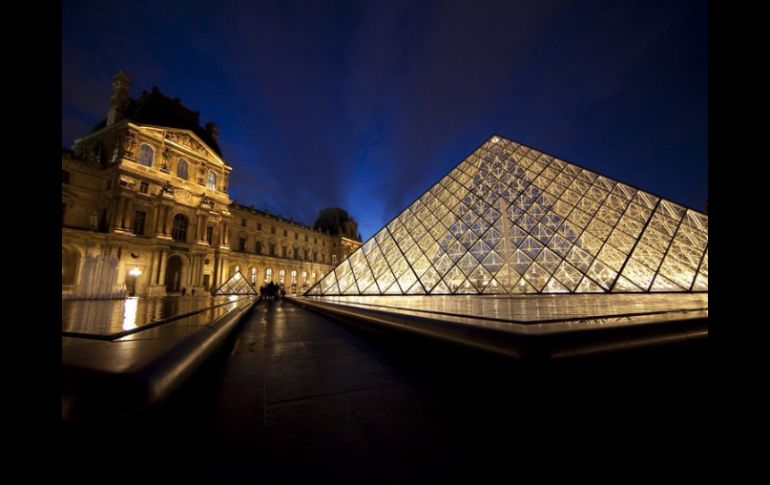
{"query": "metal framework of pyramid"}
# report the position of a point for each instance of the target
(510, 219)
(236, 285)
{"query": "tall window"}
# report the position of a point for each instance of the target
(258, 247)
(272, 249)
(285, 233)
(272, 229)
(139, 218)
(259, 226)
(212, 182)
(242, 244)
(181, 169)
(281, 276)
(253, 276)
(296, 253)
(144, 187)
(146, 155)
(294, 278)
(179, 228)
(304, 278)
(283, 251)
(315, 256)
(268, 274)
(210, 234)
(314, 275)
(243, 222)
(334, 259)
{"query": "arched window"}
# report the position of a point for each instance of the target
(281, 276)
(268, 275)
(146, 155)
(314, 275)
(304, 278)
(212, 183)
(179, 228)
(253, 276)
(294, 278)
(181, 169)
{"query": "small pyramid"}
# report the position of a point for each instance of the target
(236, 285)
(510, 219)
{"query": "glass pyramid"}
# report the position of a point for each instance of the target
(236, 285)
(510, 219)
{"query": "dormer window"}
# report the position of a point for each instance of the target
(146, 155)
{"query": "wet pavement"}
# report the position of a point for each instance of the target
(297, 398)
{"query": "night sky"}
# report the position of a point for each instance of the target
(364, 105)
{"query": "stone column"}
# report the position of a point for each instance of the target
(202, 226)
(119, 213)
(225, 237)
(151, 268)
(168, 221)
(215, 276)
(129, 217)
(191, 273)
(152, 222)
(158, 211)
(162, 267)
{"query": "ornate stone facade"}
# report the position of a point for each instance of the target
(146, 212)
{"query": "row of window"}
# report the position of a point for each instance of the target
(285, 232)
(147, 156)
(305, 254)
(281, 276)
(180, 224)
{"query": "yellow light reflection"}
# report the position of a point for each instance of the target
(135, 272)
(129, 313)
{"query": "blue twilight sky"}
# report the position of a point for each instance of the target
(365, 104)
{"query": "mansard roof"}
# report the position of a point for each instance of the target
(155, 108)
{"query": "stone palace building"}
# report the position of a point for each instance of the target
(146, 211)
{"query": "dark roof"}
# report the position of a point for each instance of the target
(155, 108)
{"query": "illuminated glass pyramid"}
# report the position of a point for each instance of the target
(236, 285)
(510, 219)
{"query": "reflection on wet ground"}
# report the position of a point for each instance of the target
(533, 308)
(106, 317)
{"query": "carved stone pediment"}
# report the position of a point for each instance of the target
(185, 140)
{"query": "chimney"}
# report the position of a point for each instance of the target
(213, 130)
(121, 84)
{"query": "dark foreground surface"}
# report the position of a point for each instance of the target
(299, 398)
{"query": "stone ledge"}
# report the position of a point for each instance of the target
(107, 380)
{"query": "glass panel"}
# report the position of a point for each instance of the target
(510, 219)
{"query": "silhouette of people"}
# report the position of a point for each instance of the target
(184, 290)
(192, 292)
